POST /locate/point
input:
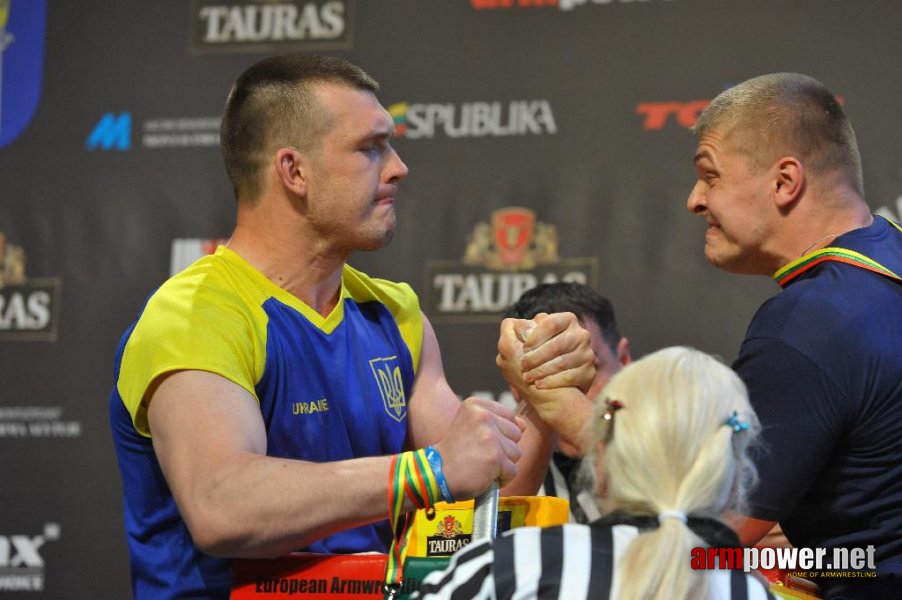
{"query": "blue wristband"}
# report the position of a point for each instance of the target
(435, 463)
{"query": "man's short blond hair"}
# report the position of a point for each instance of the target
(787, 114)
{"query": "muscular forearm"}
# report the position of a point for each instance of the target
(236, 500)
(263, 507)
(566, 411)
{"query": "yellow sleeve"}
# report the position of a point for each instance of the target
(190, 324)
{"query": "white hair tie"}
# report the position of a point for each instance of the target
(672, 514)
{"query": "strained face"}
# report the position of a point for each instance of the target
(733, 197)
(355, 172)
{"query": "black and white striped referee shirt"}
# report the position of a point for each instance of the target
(562, 481)
(567, 562)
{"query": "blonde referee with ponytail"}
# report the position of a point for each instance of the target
(668, 459)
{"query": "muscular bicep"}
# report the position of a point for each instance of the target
(433, 403)
(202, 426)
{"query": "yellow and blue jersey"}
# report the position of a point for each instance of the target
(330, 388)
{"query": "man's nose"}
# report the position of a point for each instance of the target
(396, 169)
(696, 203)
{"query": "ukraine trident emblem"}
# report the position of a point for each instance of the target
(387, 372)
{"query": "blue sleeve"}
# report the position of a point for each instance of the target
(802, 417)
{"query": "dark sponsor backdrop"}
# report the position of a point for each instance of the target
(110, 178)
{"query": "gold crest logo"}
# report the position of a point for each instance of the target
(449, 527)
(387, 372)
(29, 307)
(513, 241)
(12, 263)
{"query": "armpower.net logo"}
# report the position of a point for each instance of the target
(804, 569)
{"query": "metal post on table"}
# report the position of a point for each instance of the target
(485, 514)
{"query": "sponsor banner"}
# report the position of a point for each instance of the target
(657, 115)
(415, 120)
(21, 563)
(22, 30)
(446, 528)
(683, 113)
(181, 132)
(502, 259)
(458, 293)
(113, 132)
(268, 26)
(36, 422)
(29, 308)
(450, 535)
(560, 4)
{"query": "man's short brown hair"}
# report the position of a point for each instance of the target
(273, 105)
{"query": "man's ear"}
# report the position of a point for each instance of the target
(789, 181)
(291, 169)
(623, 352)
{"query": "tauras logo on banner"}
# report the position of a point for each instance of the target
(449, 537)
(21, 563)
(473, 119)
(502, 259)
(268, 26)
(29, 308)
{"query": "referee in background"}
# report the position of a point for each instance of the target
(612, 352)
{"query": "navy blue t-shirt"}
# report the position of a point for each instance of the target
(823, 364)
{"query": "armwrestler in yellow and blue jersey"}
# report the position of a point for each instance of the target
(329, 389)
(288, 394)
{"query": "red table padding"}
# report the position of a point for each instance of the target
(310, 576)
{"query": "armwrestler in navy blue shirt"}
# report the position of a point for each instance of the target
(780, 187)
